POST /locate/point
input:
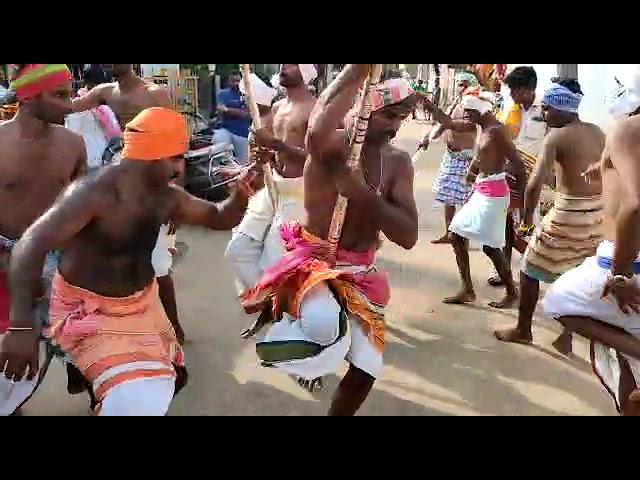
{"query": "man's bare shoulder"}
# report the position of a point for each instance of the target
(105, 90)
(401, 160)
(67, 136)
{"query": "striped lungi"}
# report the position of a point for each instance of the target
(450, 186)
(569, 234)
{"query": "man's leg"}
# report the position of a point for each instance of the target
(351, 393)
(504, 271)
(461, 249)
(167, 293)
(564, 343)
(449, 213)
(241, 149)
(529, 296)
(496, 281)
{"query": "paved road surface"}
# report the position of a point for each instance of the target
(439, 360)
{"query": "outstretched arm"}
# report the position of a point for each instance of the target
(332, 106)
(190, 210)
(446, 121)
(93, 99)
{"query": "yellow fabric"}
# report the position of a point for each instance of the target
(512, 119)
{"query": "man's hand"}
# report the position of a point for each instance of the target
(352, 186)
(424, 144)
(625, 292)
(19, 355)
(251, 180)
(264, 138)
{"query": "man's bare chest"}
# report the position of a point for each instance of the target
(128, 106)
(289, 123)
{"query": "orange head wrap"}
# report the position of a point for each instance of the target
(156, 133)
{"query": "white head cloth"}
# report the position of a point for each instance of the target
(262, 92)
(481, 101)
(308, 71)
(623, 101)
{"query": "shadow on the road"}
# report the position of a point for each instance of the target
(508, 382)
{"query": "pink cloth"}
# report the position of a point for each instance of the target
(305, 256)
(105, 117)
(492, 188)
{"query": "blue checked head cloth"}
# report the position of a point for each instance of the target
(470, 78)
(561, 98)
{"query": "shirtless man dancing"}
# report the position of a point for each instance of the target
(323, 313)
(451, 187)
(600, 299)
(483, 218)
(127, 98)
(38, 159)
(256, 245)
(572, 230)
(105, 310)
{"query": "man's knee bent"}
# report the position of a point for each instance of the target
(491, 252)
(320, 315)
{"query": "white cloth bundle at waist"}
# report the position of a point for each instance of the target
(483, 218)
(578, 293)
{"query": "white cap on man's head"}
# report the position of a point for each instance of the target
(262, 92)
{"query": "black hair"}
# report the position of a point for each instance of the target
(522, 77)
(234, 73)
(94, 75)
(570, 84)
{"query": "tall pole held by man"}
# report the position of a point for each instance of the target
(357, 139)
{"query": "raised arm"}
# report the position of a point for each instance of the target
(446, 121)
(96, 97)
(70, 214)
(190, 210)
(332, 106)
(544, 168)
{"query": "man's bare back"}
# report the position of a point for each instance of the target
(126, 103)
(33, 172)
(290, 122)
(390, 173)
(576, 147)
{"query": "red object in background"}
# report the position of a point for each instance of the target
(4, 303)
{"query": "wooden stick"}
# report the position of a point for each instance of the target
(257, 124)
(357, 139)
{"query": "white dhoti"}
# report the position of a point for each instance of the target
(323, 337)
(483, 218)
(256, 244)
(578, 293)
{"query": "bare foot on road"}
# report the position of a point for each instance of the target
(495, 281)
(564, 343)
(514, 335)
(441, 241)
(461, 298)
(509, 301)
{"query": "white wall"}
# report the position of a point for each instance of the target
(597, 82)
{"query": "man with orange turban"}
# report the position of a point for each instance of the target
(105, 310)
(38, 159)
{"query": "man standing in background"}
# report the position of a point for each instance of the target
(235, 119)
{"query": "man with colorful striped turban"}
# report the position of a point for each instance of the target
(450, 187)
(572, 230)
(105, 309)
(38, 159)
(324, 312)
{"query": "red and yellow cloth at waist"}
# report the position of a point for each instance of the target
(102, 334)
(360, 289)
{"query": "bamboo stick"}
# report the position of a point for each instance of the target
(358, 134)
(257, 124)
